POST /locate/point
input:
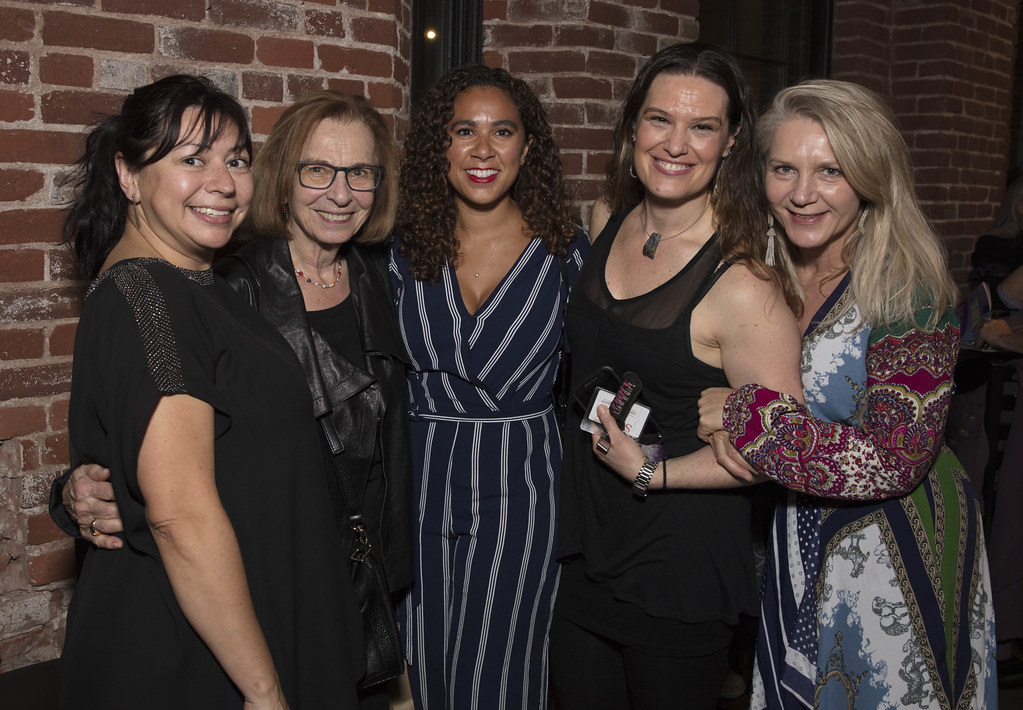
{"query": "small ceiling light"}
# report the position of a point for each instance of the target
(430, 34)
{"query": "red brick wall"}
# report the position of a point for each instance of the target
(60, 65)
(947, 71)
(580, 58)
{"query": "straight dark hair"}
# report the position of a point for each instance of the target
(738, 193)
(144, 132)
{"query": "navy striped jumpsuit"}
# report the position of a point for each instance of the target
(486, 469)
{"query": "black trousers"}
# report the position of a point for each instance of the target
(591, 672)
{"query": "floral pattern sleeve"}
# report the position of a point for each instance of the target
(883, 452)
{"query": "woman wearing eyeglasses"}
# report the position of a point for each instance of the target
(326, 188)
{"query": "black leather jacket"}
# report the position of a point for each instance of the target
(369, 410)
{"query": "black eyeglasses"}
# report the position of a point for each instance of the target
(320, 176)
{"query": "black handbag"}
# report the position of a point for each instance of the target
(384, 656)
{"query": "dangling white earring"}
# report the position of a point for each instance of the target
(863, 219)
(632, 171)
(771, 236)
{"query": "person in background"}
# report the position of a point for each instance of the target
(1004, 333)
(677, 291)
(1006, 336)
(877, 591)
(483, 260)
(209, 603)
(324, 202)
(999, 252)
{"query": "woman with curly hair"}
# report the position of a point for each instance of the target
(482, 264)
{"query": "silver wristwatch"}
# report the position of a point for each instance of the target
(646, 472)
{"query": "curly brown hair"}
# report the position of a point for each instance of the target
(427, 212)
(738, 196)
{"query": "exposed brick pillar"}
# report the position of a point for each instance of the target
(947, 71)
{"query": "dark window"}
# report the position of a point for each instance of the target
(445, 34)
(778, 42)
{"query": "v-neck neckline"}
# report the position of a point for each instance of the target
(828, 304)
(530, 245)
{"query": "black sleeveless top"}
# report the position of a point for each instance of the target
(681, 555)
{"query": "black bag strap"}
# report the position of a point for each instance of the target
(355, 520)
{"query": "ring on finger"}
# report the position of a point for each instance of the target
(92, 529)
(603, 446)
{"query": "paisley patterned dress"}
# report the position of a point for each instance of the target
(876, 591)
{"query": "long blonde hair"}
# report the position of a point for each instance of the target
(897, 263)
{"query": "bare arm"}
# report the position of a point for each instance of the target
(599, 216)
(755, 332)
(699, 469)
(1000, 335)
(748, 331)
(198, 546)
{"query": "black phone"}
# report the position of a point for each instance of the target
(621, 395)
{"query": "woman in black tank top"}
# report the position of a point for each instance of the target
(678, 291)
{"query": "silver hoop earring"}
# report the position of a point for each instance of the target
(632, 171)
(771, 236)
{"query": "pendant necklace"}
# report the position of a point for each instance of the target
(317, 283)
(654, 239)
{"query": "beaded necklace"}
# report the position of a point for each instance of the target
(316, 283)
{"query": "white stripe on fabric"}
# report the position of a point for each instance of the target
(518, 376)
(469, 557)
(495, 299)
(488, 420)
(523, 316)
(448, 541)
(495, 565)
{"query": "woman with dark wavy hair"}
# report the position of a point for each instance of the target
(481, 267)
(679, 292)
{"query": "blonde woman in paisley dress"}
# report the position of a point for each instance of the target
(876, 592)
